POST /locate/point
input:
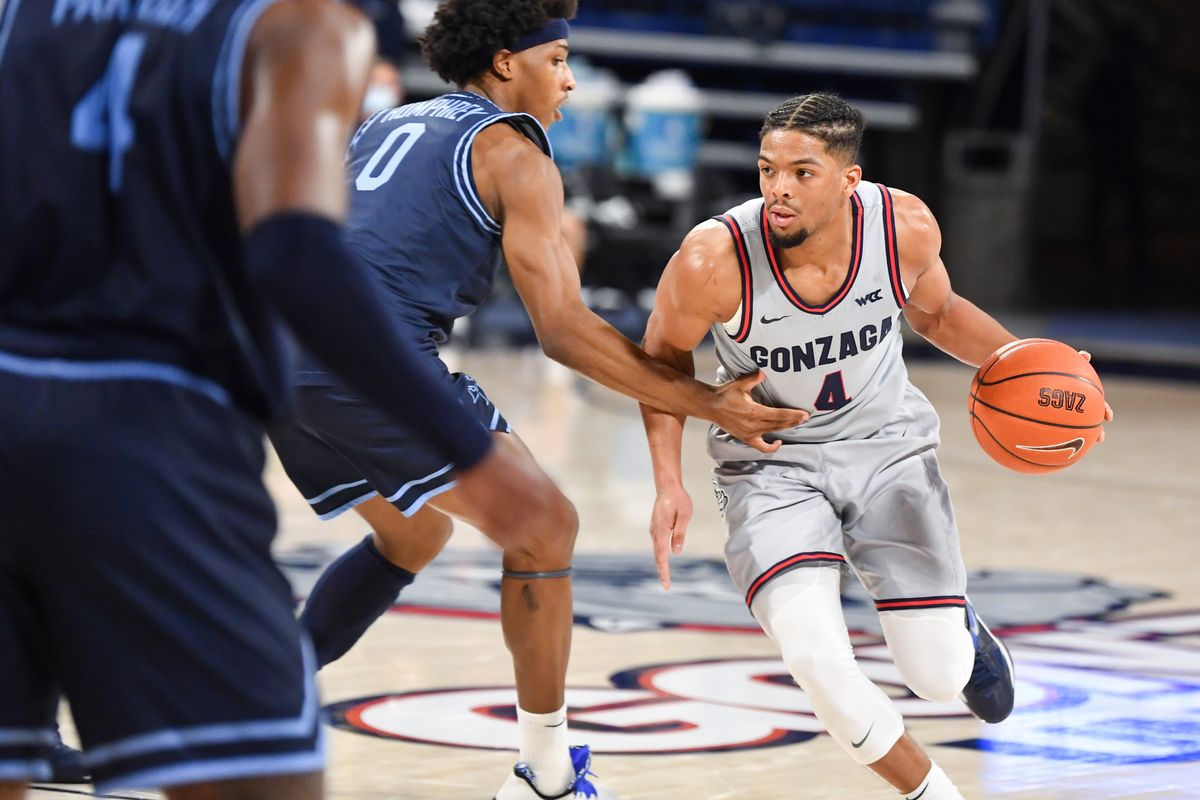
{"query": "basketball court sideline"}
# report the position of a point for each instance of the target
(1088, 573)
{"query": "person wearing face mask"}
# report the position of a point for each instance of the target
(385, 84)
(171, 200)
(385, 88)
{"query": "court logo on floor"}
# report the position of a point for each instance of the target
(1088, 692)
(1093, 688)
(620, 592)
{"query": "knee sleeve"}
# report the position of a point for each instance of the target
(933, 650)
(802, 612)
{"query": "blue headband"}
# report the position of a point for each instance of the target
(557, 28)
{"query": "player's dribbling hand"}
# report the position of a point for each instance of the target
(668, 526)
(1108, 412)
(747, 419)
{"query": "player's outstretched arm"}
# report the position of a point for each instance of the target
(672, 334)
(949, 321)
(700, 286)
(527, 190)
(304, 75)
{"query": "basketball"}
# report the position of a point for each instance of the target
(1036, 406)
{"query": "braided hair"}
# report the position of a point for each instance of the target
(822, 115)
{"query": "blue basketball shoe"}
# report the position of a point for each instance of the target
(989, 693)
(521, 786)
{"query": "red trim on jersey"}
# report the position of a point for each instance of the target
(921, 602)
(735, 231)
(787, 564)
(856, 249)
(890, 248)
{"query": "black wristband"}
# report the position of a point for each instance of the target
(330, 301)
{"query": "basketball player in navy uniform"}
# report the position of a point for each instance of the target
(489, 191)
(171, 185)
(808, 283)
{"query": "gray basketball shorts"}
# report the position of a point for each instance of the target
(878, 504)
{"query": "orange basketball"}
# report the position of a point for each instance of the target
(1036, 405)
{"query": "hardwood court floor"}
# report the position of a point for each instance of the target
(1092, 573)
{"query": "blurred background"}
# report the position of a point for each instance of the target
(1057, 141)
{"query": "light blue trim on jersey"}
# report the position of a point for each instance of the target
(495, 419)
(312, 501)
(223, 732)
(462, 175)
(24, 736)
(363, 129)
(227, 77)
(415, 505)
(220, 769)
(462, 166)
(418, 481)
(423, 499)
(37, 769)
(60, 369)
(6, 24)
(349, 504)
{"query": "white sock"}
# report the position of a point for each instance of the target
(936, 786)
(544, 748)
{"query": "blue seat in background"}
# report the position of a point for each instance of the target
(882, 7)
(900, 24)
(892, 38)
(642, 21)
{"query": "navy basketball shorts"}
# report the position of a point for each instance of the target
(340, 449)
(136, 578)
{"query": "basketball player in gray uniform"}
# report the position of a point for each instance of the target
(807, 284)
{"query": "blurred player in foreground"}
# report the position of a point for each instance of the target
(171, 185)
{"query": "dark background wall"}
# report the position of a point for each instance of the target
(1117, 195)
(1057, 141)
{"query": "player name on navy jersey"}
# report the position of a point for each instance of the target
(416, 217)
(121, 243)
(182, 15)
(451, 108)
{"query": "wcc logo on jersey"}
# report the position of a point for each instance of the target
(1095, 685)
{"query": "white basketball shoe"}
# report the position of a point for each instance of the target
(521, 784)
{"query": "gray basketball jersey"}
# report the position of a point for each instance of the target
(841, 359)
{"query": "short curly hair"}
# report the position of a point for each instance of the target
(465, 34)
(822, 115)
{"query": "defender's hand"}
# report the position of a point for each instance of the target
(668, 527)
(741, 415)
(1108, 412)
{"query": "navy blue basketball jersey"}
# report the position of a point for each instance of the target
(119, 236)
(415, 216)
